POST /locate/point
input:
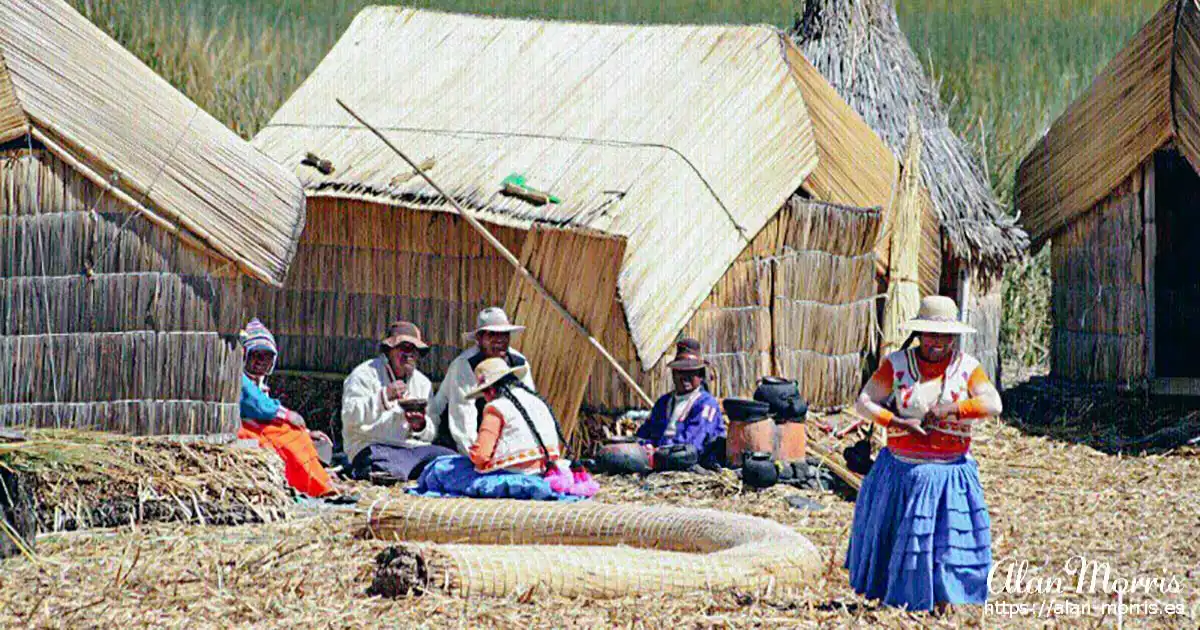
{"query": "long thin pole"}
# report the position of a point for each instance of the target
(508, 255)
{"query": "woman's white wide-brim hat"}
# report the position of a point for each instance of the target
(490, 371)
(938, 314)
(493, 319)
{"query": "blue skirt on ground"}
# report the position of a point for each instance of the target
(455, 476)
(921, 534)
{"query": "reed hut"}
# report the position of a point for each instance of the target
(670, 150)
(1112, 187)
(128, 217)
(967, 239)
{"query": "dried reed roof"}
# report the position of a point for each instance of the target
(68, 83)
(685, 140)
(1147, 96)
(859, 47)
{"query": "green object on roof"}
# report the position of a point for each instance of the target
(517, 180)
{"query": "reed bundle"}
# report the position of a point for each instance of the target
(140, 365)
(82, 480)
(816, 276)
(41, 305)
(831, 329)
(132, 417)
(903, 292)
(501, 548)
(565, 358)
(832, 228)
(823, 314)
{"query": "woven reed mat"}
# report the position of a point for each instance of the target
(595, 550)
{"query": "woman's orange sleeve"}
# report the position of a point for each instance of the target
(489, 433)
(974, 407)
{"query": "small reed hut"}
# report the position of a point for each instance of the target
(127, 218)
(1113, 187)
(967, 240)
(672, 152)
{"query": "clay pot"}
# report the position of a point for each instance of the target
(749, 429)
(623, 455)
(791, 441)
(782, 397)
(759, 471)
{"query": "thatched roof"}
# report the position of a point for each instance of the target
(859, 47)
(1146, 97)
(65, 81)
(685, 140)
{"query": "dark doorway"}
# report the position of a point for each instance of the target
(1176, 266)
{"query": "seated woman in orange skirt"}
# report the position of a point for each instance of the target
(274, 426)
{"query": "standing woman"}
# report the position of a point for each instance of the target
(922, 536)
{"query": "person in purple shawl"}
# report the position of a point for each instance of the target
(689, 415)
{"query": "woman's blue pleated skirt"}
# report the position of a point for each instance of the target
(921, 534)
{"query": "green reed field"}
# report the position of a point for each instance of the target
(1005, 69)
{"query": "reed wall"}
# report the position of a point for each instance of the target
(798, 302)
(107, 321)
(1099, 303)
(361, 265)
(983, 314)
(825, 300)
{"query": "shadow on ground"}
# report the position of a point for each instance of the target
(1102, 417)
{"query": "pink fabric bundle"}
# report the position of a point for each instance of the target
(576, 482)
(560, 478)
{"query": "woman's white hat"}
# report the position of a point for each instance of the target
(938, 314)
(490, 371)
(494, 319)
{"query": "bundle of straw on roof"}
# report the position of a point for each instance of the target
(593, 550)
(904, 292)
(85, 479)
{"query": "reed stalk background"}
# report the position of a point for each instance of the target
(1005, 69)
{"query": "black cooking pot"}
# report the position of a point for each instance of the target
(858, 456)
(782, 398)
(676, 457)
(622, 456)
(759, 471)
(745, 410)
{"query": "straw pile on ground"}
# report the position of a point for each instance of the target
(83, 480)
(591, 550)
(1050, 501)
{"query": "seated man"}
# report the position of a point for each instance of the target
(689, 415)
(451, 407)
(384, 425)
(274, 426)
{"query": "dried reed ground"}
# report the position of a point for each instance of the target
(1050, 501)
